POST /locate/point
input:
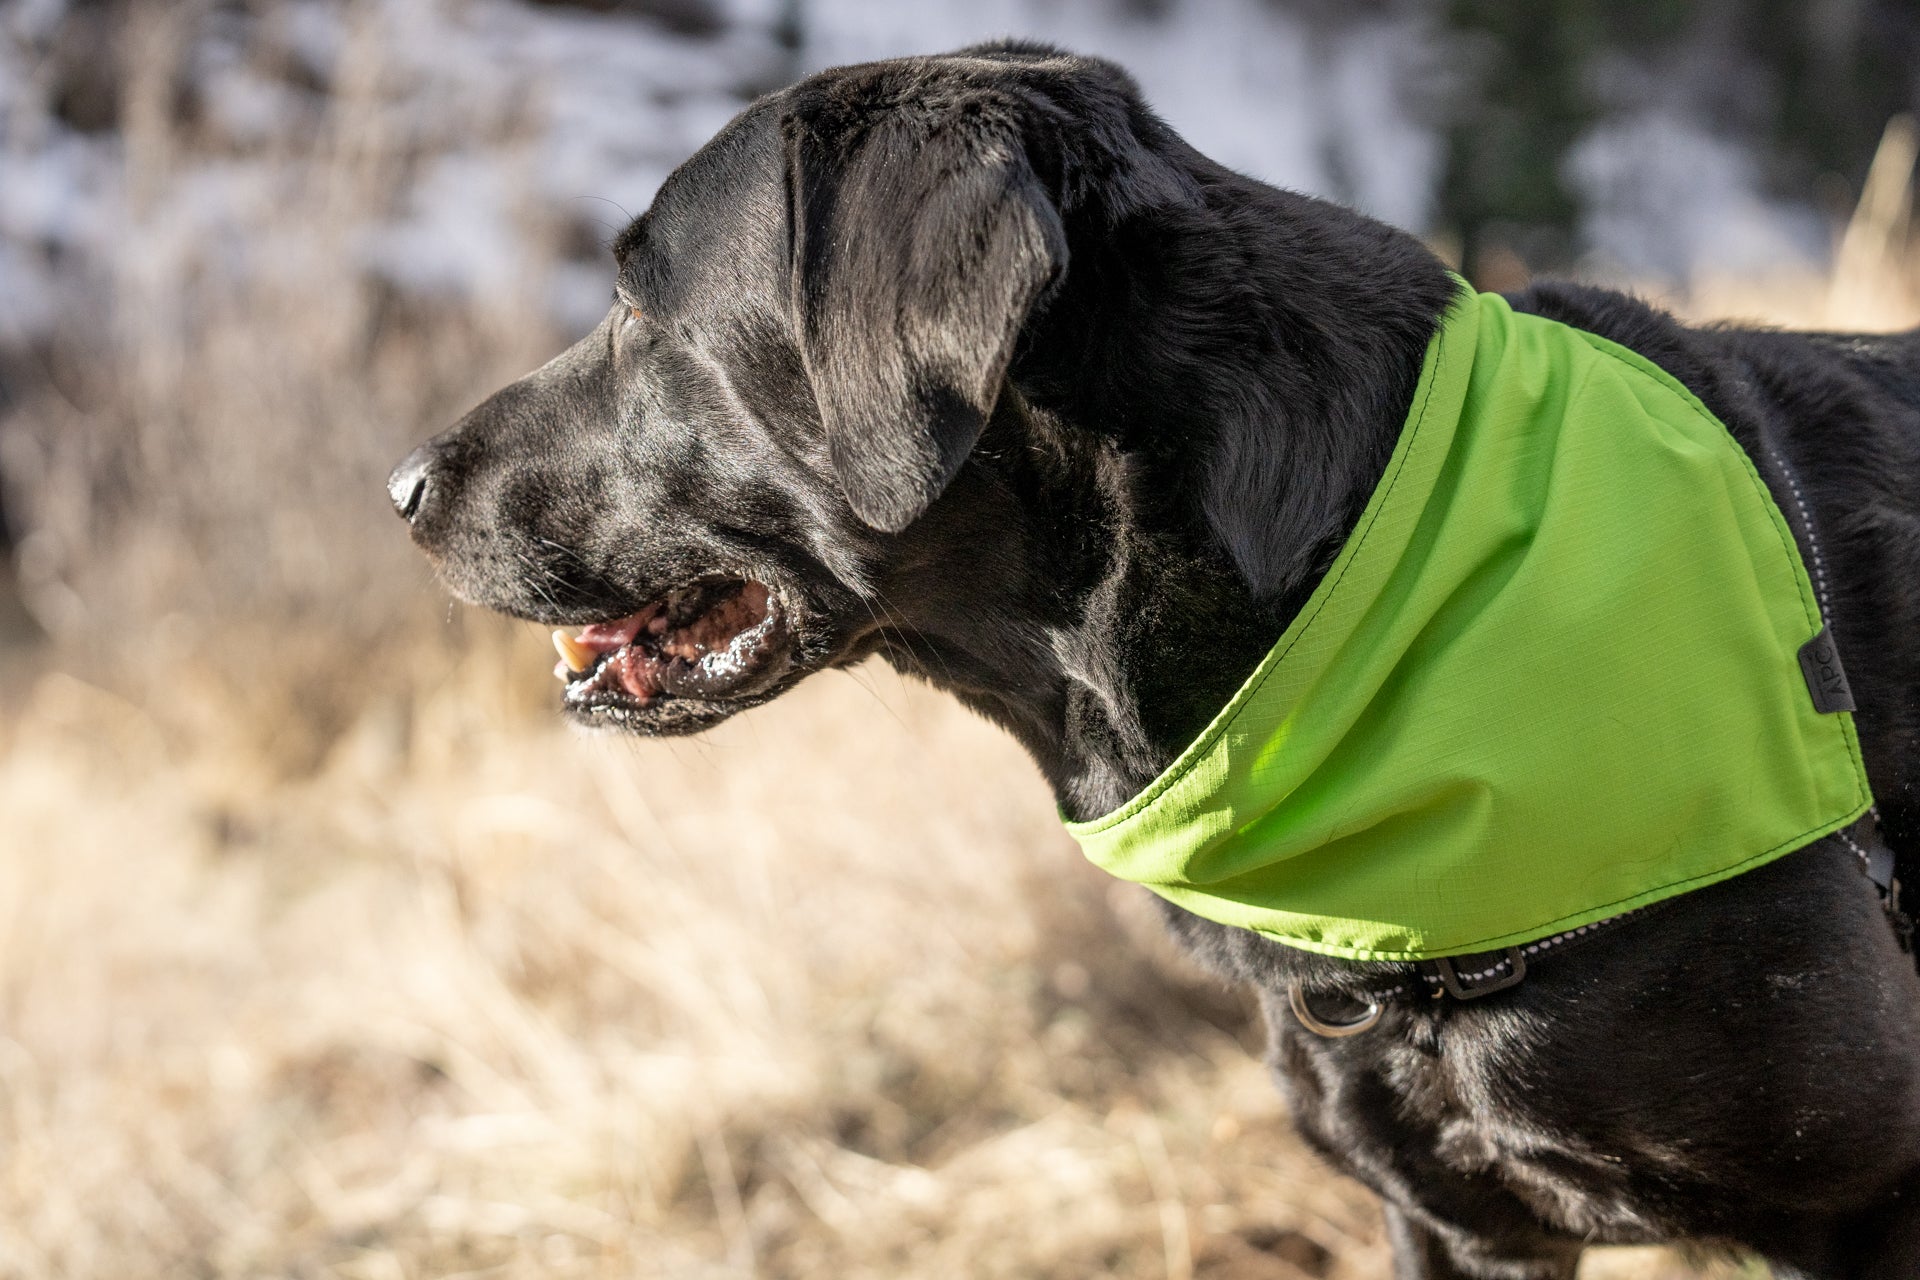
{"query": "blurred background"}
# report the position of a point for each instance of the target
(326, 951)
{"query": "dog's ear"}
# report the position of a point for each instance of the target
(921, 241)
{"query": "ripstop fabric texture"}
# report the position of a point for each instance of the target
(1552, 676)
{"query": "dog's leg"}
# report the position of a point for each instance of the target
(1421, 1254)
(1896, 1254)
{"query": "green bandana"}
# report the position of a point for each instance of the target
(1553, 675)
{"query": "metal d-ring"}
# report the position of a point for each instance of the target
(1297, 1001)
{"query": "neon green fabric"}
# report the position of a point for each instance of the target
(1552, 676)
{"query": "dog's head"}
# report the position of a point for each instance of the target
(811, 329)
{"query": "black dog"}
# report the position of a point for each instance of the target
(971, 362)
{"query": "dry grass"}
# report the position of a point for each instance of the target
(456, 991)
(1875, 280)
(825, 994)
(324, 950)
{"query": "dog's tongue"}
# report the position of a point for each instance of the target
(717, 641)
(578, 652)
(638, 672)
(605, 637)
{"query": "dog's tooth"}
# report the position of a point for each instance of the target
(573, 654)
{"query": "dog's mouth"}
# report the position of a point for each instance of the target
(713, 640)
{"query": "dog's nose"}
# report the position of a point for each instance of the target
(407, 486)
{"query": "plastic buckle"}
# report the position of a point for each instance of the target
(1450, 977)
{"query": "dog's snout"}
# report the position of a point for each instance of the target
(410, 481)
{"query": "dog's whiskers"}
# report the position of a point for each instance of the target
(539, 579)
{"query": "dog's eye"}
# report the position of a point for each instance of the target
(633, 313)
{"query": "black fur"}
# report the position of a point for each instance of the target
(977, 365)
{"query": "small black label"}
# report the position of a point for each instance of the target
(1826, 678)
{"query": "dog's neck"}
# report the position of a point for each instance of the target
(1189, 434)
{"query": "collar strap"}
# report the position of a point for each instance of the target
(1482, 973)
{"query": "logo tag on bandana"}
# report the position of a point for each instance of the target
(1826, 678)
